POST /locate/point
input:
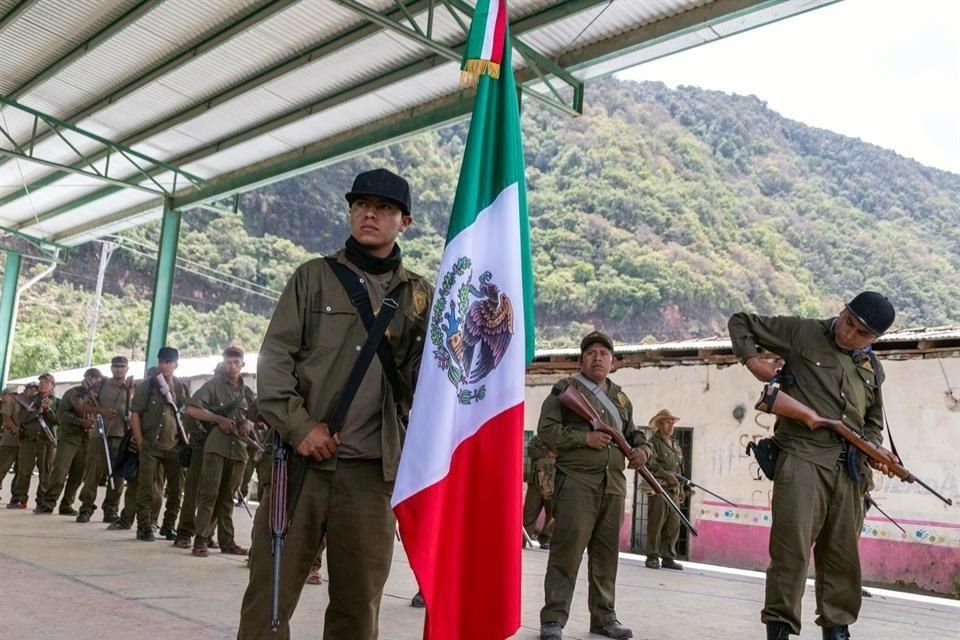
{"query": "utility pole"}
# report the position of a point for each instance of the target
(106, 250)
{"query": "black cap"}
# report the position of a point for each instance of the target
(873, 311)
(30, 385)
(92, 373)
(168, 354)
(382, 183)
(594, 337)
(119, 361)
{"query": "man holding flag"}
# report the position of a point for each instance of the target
(337, 395)
(465, 440)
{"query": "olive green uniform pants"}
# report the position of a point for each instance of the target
(66, 474)
(129, 513)
(8, 457)
(586, 519)
(249, 467)
(187, 526)
(34, 453)
(351, 505)
(663, 527)
(167, 464)
(95, 471)
(219, 481)
(817, 507)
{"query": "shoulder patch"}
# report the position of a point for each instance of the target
(622, 399)
(420, 302)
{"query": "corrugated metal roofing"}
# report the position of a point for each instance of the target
(198, 367)
(933, 334)
(187, 82)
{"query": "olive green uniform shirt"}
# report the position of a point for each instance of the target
(826, 379)
(12, 408)
(113, 395)
(215, 395)
(312, 342)
(157, 421)
(666, 459)
(29, 419)
(71, 423)
(566, 433)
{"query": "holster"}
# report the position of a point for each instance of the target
(766, 452)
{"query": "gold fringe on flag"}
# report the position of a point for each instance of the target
(473, 69)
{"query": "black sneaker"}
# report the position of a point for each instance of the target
(68, 511)
(16, 504)
(83, 517)
(168, 533)
(42, 510)
(417, 601)
(146, 535)
(652, 563)
(110, 518)
(118, 525)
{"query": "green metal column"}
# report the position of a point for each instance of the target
(163, 281)
(8, 312)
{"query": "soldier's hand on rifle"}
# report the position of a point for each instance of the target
(86, 424)
(245, 428)
(762, 370)
(226, 425)
(881, 467)
(672, 480)
(597, 440)
(319, 444)
(638, 459)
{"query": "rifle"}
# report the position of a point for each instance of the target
(573, 400)
(776, 401)
(102, 431)
(250, 439)
(168, 396)
(278, 521)
(687, 482)
(243, 501)
(33, 407)
(873, 503)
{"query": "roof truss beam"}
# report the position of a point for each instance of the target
(12, 241)
(257, 14)
(288, 65)
(85, 165)
(520, 26)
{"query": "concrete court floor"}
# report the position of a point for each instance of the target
(64, 580)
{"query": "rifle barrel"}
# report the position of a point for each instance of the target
(930, 489)
(704, 489)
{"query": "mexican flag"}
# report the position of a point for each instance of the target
(458, 493)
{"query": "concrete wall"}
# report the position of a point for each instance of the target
(926, 426)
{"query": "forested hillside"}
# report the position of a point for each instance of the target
(654, 216)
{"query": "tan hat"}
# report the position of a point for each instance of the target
(663, 414)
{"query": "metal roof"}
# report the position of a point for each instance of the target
(935, 340)
(917, 339)
(231, 94)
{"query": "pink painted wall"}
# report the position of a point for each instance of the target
(924, 557)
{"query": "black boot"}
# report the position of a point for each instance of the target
(778, 631)
(836, 633)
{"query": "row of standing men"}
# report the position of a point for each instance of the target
(197, 451)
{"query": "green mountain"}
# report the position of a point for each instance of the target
(655, 215)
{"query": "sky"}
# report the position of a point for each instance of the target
(884, 71)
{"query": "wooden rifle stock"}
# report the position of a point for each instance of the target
(278, 521)
(573, 400)
(776, 401)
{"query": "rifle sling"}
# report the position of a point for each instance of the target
(883, 409)
(376, 327)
